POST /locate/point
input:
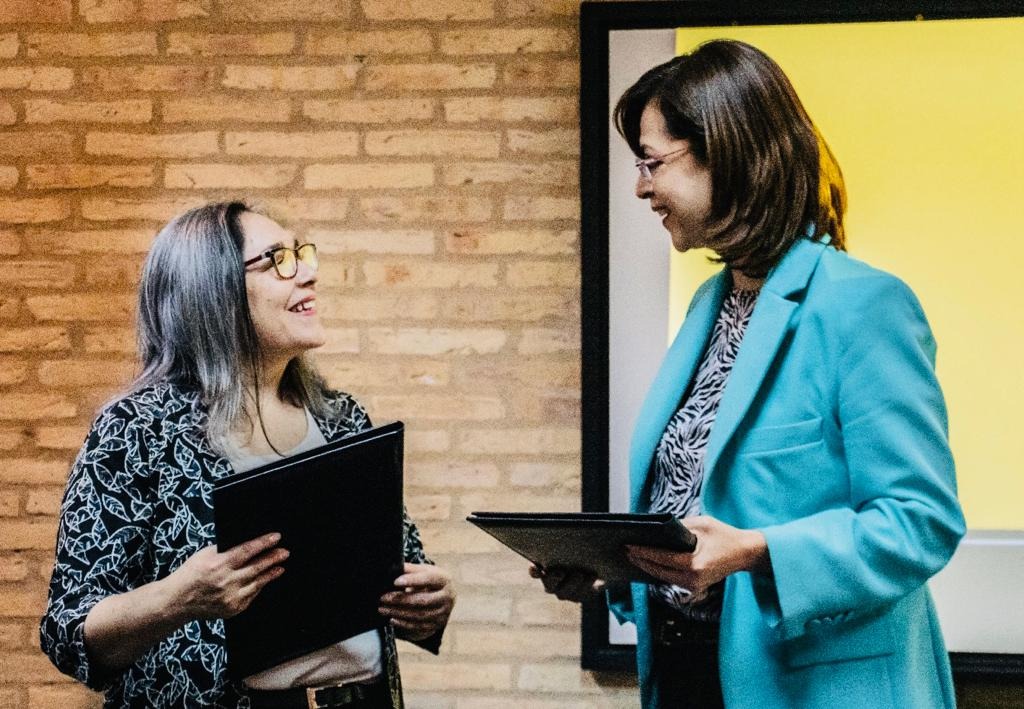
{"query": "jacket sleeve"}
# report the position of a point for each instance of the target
(414, 554)
(103, 539)
(619, 597)
(903, 522)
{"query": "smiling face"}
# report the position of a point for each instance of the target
(283, 310)
(679, 188)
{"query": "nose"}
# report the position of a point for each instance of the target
(643, 187)
(305, 275)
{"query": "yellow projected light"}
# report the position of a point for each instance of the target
(926, 121)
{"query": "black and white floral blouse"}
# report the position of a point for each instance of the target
(679, 459)
(138, 504)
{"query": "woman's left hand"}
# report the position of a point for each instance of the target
(721, 550)
(421, 605)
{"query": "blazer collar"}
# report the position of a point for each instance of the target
(791, 275)
(672, 381)
(780, 296)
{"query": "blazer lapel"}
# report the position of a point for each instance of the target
(765, 331)
(671, 382)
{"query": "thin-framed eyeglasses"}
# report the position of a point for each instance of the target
(286, 259)
(646, 166)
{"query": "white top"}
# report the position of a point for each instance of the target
(357, 659)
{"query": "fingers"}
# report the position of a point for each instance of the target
(656, 570)
(421, 576)
(560, 582)
(246, 594)
(220, 585)
(420, 598)
(239, 556)
(417, 614)
(649, 568)
(554, 578)
(669, 574)
(701, 523)
(415, 603)
(418, 605)
(568, 584)
(577, 587)
(423, 604)
(263, 562)
(662, 557)
(256, 585)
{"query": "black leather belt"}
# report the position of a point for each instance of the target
(350, 696)
(670, 628)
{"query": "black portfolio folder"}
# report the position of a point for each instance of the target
(592, 541)
(339, 511)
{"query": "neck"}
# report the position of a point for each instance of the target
(266, 403)
(273, 424)
(270, 381)
(742, 281)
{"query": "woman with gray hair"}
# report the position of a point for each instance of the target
(227, 313)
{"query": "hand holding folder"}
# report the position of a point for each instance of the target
(565, 584)
(421, 602)
(593, 542)
(338, 509)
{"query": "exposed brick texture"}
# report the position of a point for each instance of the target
(430, 148)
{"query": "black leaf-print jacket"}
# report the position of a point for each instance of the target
(138, 504)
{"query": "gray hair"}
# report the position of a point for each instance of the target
(194, 324)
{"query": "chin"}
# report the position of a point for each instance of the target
(301, 346)
(681, 245)
(683, 242)
(314, 343)
(315, 336)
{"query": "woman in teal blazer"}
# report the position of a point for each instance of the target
(825, 485)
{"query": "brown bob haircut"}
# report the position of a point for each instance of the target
(773, 177)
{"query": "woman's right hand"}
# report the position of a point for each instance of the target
(212, 584)
(567, 584)
(121, 627)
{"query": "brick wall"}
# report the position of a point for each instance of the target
(430, 148)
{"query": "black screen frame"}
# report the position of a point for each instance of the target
(597, 19)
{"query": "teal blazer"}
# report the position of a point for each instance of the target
(831, 438)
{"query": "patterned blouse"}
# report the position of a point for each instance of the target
(138, 503)
(679, 458)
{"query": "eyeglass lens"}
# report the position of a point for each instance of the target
(647, 165)
(286, 261)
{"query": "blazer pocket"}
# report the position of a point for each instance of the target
(845, 637)
(768, 439)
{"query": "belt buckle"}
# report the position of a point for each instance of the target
(342, 694)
